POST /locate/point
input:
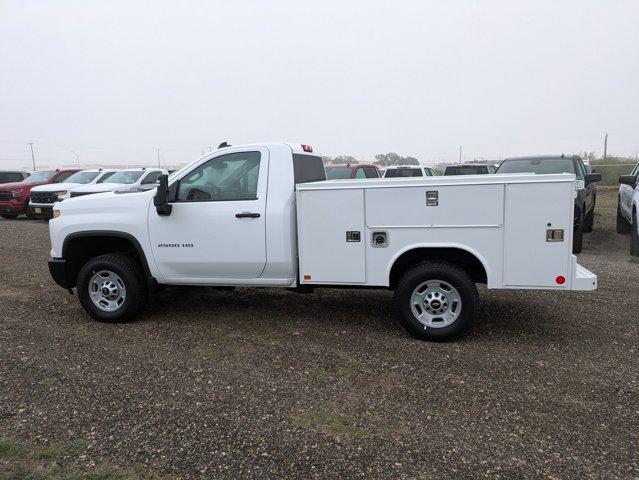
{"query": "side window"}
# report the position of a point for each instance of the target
(427, 172)
(635, 172)
(370, 172)
(227, 177)
(151, 177)
(360, 173)
(581, 172)
(63, 176)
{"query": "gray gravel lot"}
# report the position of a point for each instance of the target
(261, 383)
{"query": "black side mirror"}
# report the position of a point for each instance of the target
(161, 199)
(593, 178)
(628, 180)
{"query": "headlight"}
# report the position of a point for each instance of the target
(62, 194)
(56, 213)
(16, 193)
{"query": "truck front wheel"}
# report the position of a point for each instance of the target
(436, 300)
(111, 288)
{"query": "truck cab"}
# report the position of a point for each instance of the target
(255, 215)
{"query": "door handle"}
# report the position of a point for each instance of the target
(247, 215)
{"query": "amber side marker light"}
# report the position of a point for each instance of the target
(307, 277)
(56, 213)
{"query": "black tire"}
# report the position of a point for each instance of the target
(454, 275)
(622, 224)
(131, 275)
(634, 236)
(9, 215)
(589, 221)
(578, 237)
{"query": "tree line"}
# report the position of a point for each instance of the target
(381, 159)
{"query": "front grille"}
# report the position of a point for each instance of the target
(81, 194)
(5, 196)
(44, 197)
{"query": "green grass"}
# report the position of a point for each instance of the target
(633, 259)
(56, 451)
(329, 421)
(103, 474)
(10, 448)
(19, 473)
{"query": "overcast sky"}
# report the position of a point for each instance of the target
(112, 81)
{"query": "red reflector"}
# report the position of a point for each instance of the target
(307, 148)
(560, 280)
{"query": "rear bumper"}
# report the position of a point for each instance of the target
(58, 271)
(583, 279)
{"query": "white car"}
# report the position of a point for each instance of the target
(403, 171)
(42, 198)
(264, 215)
(130, 179)
(627, 209)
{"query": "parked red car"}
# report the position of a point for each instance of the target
(356, 170)
(14, 197)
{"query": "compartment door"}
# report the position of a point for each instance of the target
(329, 222)
(530, 260)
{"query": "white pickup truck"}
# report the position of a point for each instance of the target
(628, 207)
(263, 215)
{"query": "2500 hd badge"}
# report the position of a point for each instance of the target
(175, 245)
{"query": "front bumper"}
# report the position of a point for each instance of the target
(12, 207)
(58, 271)
(41, 210)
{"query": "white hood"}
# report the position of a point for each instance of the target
(55, 187)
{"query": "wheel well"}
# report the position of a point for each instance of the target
(80, 249)
(463, 258)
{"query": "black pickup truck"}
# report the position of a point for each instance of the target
(586, 191)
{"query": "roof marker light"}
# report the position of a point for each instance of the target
(307, 148)
(560, 279)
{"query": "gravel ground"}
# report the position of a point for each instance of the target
(261, 383)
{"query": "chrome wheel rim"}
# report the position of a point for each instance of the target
(436, 304)
(107, 290)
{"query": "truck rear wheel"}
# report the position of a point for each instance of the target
(436, 301)
(111, 288)
(578, 236)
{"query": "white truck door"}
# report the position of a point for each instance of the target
(216, 230)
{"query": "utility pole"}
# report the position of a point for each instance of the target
(605, 146)
(76, 156)
(158, 158)
(460, 150)
(32, 156)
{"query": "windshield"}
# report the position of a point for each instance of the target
(126, 176)
(537, 165)
(81, 177)
(466, 170)
(40, 176)
(403, 172)
(335, 173)
(104, 178)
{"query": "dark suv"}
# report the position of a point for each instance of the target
(586, 191)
